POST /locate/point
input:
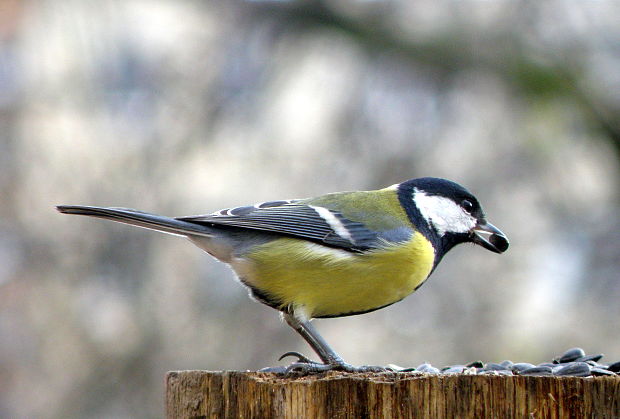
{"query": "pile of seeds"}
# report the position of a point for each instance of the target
(572, 363)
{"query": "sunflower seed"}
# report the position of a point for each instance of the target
(615, 367)
(575, 369)
(571, 355)
(475, 364)
(547, 364)
(455, 369)
(602, 371)
(587, 358)
(521, 366)
(491, 366)
(428, 368)
(537, 371)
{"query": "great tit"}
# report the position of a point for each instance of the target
(335, 255)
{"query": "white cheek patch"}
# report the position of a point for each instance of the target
(443, 213)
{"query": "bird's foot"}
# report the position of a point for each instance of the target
(305, 366)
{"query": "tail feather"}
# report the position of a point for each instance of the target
(140, 219)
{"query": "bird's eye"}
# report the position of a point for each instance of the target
(467, 205)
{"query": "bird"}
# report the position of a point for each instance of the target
(335, 255)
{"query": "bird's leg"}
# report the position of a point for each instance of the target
(315, 340)
(331, 360)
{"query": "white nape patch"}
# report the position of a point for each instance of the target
(333, 222)
(443, 213)
(334, 254)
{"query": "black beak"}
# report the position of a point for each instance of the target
(490, 237)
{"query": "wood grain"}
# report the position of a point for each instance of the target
(233, 394)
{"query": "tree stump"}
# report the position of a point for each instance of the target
(233, 394)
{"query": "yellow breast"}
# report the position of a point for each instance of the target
(318, 281)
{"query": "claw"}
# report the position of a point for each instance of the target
(306, 366)
(300, 357)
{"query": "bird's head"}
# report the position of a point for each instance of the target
(447, 214)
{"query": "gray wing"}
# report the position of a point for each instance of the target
(297, 219)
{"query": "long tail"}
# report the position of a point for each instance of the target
(140, 219)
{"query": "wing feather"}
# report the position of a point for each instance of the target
(298, 219)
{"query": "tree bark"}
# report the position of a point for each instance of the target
(233, 394)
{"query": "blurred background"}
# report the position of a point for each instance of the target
(185, 107)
